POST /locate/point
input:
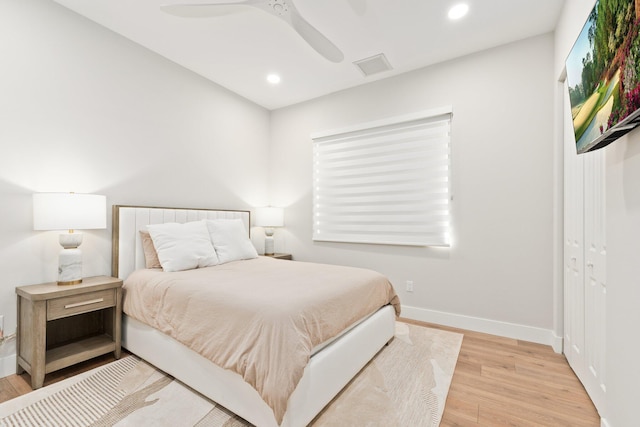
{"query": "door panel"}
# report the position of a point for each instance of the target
(573, 252)
(595, 274)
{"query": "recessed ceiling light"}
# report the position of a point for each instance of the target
(274, 79)
(458, 11)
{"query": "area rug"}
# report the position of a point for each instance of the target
(406, 384)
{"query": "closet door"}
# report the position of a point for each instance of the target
(585, 265)
(574, 309)
(595, 288)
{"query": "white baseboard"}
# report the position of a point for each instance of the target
(493, 327)
(7, 365)
(8, 357)
(604, 422)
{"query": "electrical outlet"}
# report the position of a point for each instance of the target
(1, 326)
(409, 285)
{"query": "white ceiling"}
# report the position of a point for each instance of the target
(238, 50)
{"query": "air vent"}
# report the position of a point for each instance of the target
(373, 65)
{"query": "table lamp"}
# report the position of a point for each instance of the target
(269, 218)
(69, 211)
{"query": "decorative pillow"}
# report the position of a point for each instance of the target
(150, 255)
(230, 240)
(183, 246)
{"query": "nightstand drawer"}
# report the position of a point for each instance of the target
(75, 304)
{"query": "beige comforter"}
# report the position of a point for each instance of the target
(260, 318)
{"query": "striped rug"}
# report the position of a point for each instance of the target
(406, 384)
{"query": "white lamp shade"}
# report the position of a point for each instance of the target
(69, 211)
(270, 217)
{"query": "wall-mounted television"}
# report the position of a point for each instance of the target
(603, 74)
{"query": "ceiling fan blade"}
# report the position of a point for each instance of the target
(315, 38)
(283, 9)
(204, 10)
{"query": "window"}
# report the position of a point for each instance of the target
(384, 182)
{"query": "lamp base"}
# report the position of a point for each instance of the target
(268, 245)
(70, 260)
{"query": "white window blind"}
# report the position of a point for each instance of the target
(385, 182)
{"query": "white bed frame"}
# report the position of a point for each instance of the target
(326, 374)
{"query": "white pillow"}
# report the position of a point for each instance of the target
(183, 246)
(230, 240)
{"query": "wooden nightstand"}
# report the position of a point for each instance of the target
(281, 256)
(59, 326)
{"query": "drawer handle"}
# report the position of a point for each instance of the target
(80, 304)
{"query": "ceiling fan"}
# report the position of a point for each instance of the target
(283, 9)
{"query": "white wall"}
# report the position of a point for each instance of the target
(498, 274)
(623, 248)
(83, 109)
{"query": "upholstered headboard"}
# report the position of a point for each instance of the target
(127, 253)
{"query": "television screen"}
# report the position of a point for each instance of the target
(603, 74)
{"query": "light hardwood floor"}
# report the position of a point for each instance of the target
(506, 382)
(497, 382)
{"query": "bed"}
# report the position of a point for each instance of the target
(332, 364)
